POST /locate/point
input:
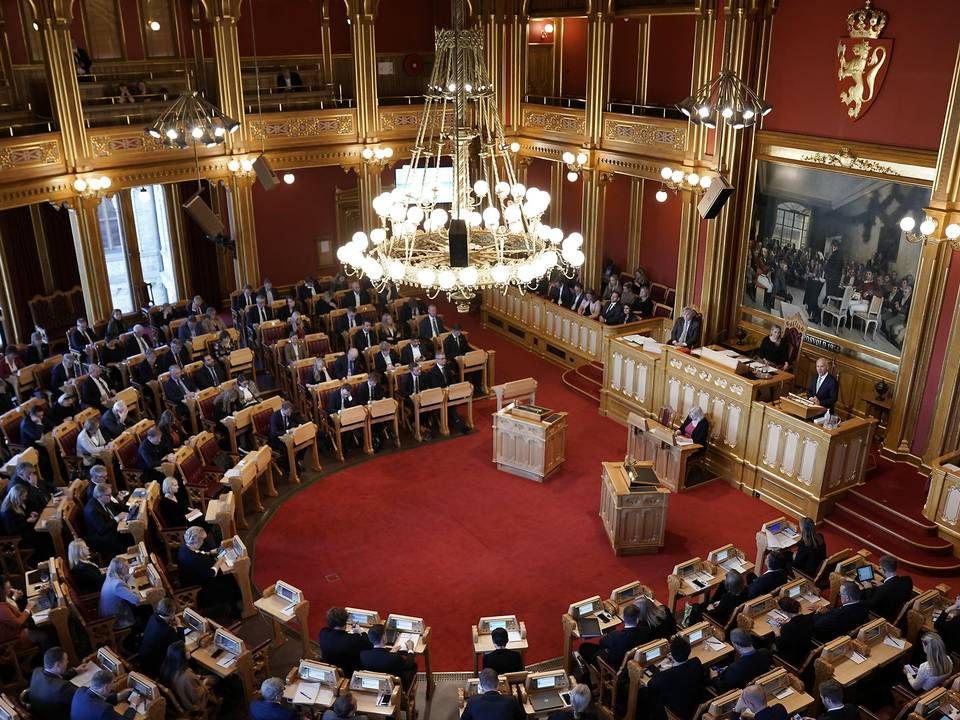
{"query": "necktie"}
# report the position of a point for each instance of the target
(263, 314)
(103, 390)
(820, 379)
(353, 322)
(683, 335)
(213, 374)
(366, 339)
(416, 384)
(286, 423)
(433, 323)
(349, 368)
(143, 343)
(182, 386)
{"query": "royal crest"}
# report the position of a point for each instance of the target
(864, 58)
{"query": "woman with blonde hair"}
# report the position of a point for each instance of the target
(388, 329)
(86, 574)
(935, 669)
(15, 518)
(658, 620)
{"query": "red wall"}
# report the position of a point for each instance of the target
(11, 16)
(283, 28)
(535, 31)
(616, 220)
(670, 64)
(623, 60)
(908, 111)
(571, 213)
(538, 174)
(290, 218)
(660, 236)
(403, 26)
(574, 56)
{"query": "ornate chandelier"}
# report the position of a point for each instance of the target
(726, 99)
(190, 118)
(461, 192)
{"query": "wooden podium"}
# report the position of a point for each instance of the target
(635, 518)
(649, 440)
(531, 448)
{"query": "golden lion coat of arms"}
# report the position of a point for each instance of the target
(864, 59)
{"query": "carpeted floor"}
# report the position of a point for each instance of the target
(436, 531)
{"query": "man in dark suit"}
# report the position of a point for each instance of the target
(160, 633)
(831, 695)
(400, 663)
(270, 705)
(94, 391)
(268, 291)
(410, 309)
(851, 614)
(386, 358)
(686, 330)
(370, 390)
(34, 425)
(150, 455)
(679, 687)
(794, 637)
(772, 578)
(80, 337)
(139, 342)
(189, 330)
(413, 382)
(281, 422)
(66, 370)
(347, 321)
(366, 337)
(101, 523)
(415, 351)
(432, 324)
(749, 664)
(643, 304)
(614, 313)
(576, 297)
(341, 647)
(502, 660)
(309, 289)
(615, 645)
(211, 374)
(244, 299)
(51, 691)
(97, 701)
(489, 704)
(355, 298)
(441, 376)
(38, 491)
(455, 344)
(198, 566)
(823, 389)
(177, 388)
(288, 80)
(114, 420)
(261, 312)
(754, 699)
(178, 356)
(349, 364)
(888, 599)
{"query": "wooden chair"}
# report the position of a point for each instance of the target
(425, 401)
(10, 427)
(658, 293)
(661, 310)
(670, 297)
(171, 538)
(837, 307)
(460, 393)
(386, 412)
(822, 579)
(204, 405)
(65, 436)
(871, 316)
(350, 419)
(125, 450)
(476, 361)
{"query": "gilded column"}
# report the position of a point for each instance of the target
(635, 229)
(368, 187)
(643, 59)
(599, 35)
(92, 264)
(326, 44)
(178, 238)
(6, 63)
(557, 179)
(196, 37)
(242, 227)
(594, 196)
(362, 17)
(515, 72)
(55, 17)
(703, 53)
(224, 15)
(43, 250)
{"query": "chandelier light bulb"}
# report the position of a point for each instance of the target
(676, 176)
(548, 28)
(378, 235)
(219, 132)
(550, 259)
(693, 179)
(907, 224)
(233, 165)
(415, 214)
(518, 190)
(727, 112)
(172, 133)
(572, 176)
(367, 153)
(196, 133)
(426, 277)
(439, 217)
(491, 216)
(928, 227)
(661, 195)
(556, 236)
(395, 270)
(452, 87)
(105, 183)
(481, 188)
(706, 181)
(500, 274)
(289, 178)
(582, 158)
(703, 111)
(388, 152)
(666, 172)
(469, 275)
(568, 157)
(502, 189)
(155, 26)
(514, 147)
(748, 114)
(953, 231)
(246, 165)
(378, 154)
(576, 258)
(80, 185)
(360, 239)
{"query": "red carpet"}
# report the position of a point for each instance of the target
(437, 532)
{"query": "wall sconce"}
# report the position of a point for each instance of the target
(153, 25)
(243, 166)
(92, 186)
(927, 229)
(376, 155)
(677, 180)
(575, 164)
(289, 178)
(546, 35)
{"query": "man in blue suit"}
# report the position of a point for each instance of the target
(270, 707)
(823, 389)
(97, 701)
(489, 704)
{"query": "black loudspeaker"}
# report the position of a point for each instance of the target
(265, 174)
(458, 244)
(714, 198)
(205, 218)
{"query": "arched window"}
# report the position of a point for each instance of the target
(792, 225)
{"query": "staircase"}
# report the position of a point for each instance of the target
(885, 516)
(585, 379)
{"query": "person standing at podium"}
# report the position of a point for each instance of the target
(823, 389)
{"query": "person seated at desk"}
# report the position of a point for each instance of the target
(936, 668)
(161, 632)
(823, 389)
(614, 313)
(270, 705)
(177, 389)
(281, 422)
(455, 344)
(888, 599)
(97, 701)
(366, 336)
(589, 306)
(679, 687)
(85, 574)
(150, 455)
(656, 619)
(686, 330)
(501, 659)
(177, 675)
(38, 491)
(388, 329)
(340, 401)
(340, 647)
(643, 303)
(432, 324)
(172, 506)
(386, 359)
(727, 598)
(101, 523)
(831, 696)
(489, 704)
(754, 698)
(51, 692)
(115, 420)
(196, 565)
(401, 663)
(343, 708)
(851, 614)
(794, 637)
(349, 364)
(948, 626)
(579, 709)
(17, 521)
(773, 350)
(696, 427)
(615, 645)
(91, 444)
(415, 351)
(117, 598)
(749, 663)
(370, 390)
(441, 376)
(811, 550)
(772, 578)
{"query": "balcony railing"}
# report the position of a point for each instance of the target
(572, 103)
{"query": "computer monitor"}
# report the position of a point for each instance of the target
(366, 618)
(865, 573)
(722, 555)
(196, 622)
(153, 576)
(775, 527)
(369, 683)
(316, 672)
(239, 546)
(287, 592)
(108, 661)
(653, 654)
(695, 636)
(794, 591)
(546, 682)
(142, 686)
(497, 624)
(225, 641)
(587, 607)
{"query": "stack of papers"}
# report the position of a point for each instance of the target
(227, 660)
(193, 515)
(307, 693)
(714, 643)
(810, 597)
(856, 657)
(894, 642)
(785, 692)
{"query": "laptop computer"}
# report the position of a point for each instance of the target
(546, 701)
